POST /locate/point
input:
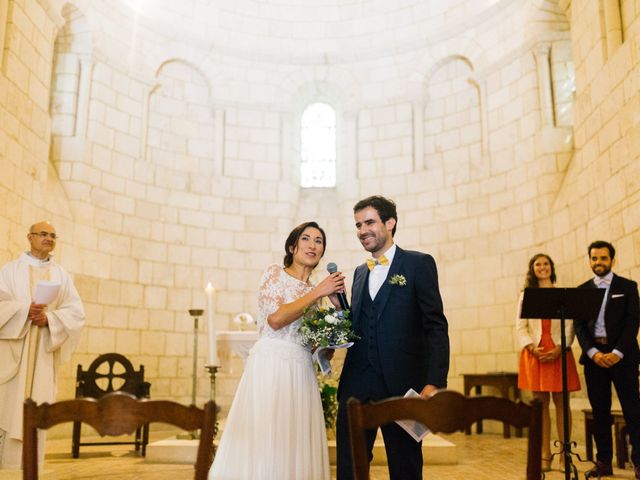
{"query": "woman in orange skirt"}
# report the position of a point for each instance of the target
(540, 368)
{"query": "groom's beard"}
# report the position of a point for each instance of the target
(378, 243)
(601, 270)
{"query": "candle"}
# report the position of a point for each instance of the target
(213, 348)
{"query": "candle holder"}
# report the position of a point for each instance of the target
(213, 370)
(195, 313)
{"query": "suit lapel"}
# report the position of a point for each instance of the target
(386, 288)
(613, 288)
(591, 321)
(359, 289)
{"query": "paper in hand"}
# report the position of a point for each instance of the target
(417, 430)
(46, 292)
(321, 356)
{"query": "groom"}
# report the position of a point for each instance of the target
(397, 312)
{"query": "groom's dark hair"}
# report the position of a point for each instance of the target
(602, 244)
(291, 244)
(386, 208)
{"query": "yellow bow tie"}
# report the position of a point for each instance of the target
(372, 262)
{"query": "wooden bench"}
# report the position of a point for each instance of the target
(619, 436)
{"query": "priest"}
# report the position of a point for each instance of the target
(41, 316)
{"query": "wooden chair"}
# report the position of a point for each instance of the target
(111, 372)
(117, 413)
(446, 412)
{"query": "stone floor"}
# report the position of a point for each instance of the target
(486, 456)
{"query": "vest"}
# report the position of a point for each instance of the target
(369, 330)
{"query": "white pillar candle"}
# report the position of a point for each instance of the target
(213, 347)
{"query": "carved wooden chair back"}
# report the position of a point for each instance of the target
(445, 412)
(111, 372)
(117, 413)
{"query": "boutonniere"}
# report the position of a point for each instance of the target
(398, 280)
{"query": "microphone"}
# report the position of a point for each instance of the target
(342, 297)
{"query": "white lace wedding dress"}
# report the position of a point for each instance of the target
(275, 428)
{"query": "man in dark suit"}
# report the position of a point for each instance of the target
(404, 344)
(610, 354)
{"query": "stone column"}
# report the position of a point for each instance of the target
(350, 170)
(545, 89)
(418, 136)
(612, 25)
(84, 96)
(219, 116)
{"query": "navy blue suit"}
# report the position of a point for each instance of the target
(621, 317)
(404, 343)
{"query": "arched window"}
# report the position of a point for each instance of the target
(318, 146)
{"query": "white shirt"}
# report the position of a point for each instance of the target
(378, 275)
(599, 329)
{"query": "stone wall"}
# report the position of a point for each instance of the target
(170, 160)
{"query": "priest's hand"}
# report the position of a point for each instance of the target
(37, 315)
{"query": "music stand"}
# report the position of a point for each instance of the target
(559, 303)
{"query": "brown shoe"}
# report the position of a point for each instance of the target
(600, 469)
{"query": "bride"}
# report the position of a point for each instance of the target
(275, 428)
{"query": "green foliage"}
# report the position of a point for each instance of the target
(329, 395)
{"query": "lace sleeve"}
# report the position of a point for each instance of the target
(270, 294)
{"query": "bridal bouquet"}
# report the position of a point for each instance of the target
(325, 327)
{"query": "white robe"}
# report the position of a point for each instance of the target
(54, 347)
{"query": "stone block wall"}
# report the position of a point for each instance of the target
(165, 163)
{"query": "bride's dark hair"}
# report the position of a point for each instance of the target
(291, 244)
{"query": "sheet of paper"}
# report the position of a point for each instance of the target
(46, 292)
(417, 430)
(321, 356)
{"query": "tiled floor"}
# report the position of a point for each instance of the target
(486, 456)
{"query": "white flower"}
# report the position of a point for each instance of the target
(331, 319)
(399, 280)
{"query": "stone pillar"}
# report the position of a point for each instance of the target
(4, 13)
(144, 127)
(418, 136)
(287, 137)
(218, 167)
(612, 25)
(84, 95)
(545, 89)
(347, 167)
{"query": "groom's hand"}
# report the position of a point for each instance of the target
(428, 391)
(333, 298)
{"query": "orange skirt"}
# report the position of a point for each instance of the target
(546, 377)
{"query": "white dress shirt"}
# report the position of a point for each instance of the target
(378, 275)
(599, 329)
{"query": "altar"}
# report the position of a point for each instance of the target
(233, 348)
